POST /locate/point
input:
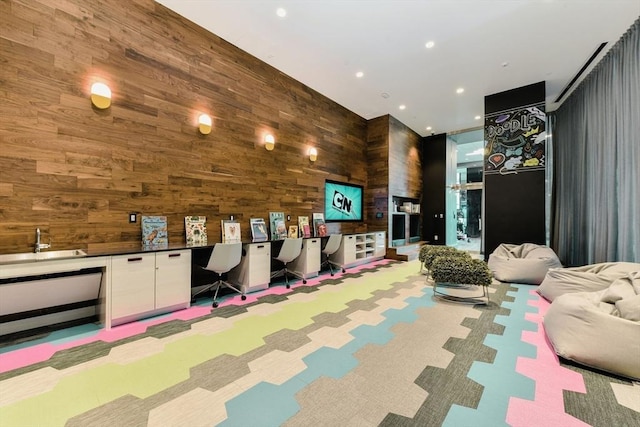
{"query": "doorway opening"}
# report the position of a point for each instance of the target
(468, 186)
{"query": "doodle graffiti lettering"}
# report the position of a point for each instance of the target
(524, 124)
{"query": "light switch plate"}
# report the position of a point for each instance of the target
(133, 217)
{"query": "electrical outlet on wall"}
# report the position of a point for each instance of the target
(435, 237)
(133, 217)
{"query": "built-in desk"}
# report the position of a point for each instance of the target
(137, 282)
(254, 271)
(308, 263)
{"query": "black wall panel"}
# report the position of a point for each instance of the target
(434, 155)
(515, 209)
(514, 202)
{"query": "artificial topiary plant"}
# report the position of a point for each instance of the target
(460, 270)
(438, 251)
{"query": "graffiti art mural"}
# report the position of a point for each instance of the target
(515, 139)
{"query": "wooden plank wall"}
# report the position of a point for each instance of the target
(395, 167)
(405, 177)
(377, 193)
(405, 165)
(76, 172)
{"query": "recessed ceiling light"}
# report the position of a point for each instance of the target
(428, 127)
(460, 90)
(359, 74)
(429, 44)
(281, 12)
(402, 107)
(477, 117)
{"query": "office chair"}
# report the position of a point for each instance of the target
(289, 251)
(223, 258)
(332, 245)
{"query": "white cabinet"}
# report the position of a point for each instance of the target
(308, 263)
(357, 249)
(173, 278)
(144, 284)
(346, 253)
(254, 271)
(381, 245)
(132, 284)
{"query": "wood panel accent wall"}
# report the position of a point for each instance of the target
(76, 172)
(395, 167)
(405, 166)
(377, 192)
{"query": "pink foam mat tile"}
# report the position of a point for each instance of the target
(550, 377)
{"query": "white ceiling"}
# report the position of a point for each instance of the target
(323, 43)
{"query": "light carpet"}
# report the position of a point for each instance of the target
(366, 348)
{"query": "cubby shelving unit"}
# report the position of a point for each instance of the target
(356, 249)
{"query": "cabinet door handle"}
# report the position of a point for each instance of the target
(313, 241)
(174, 255)
(134, 259)
(260, 246)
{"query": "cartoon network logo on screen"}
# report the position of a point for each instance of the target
(342, 203)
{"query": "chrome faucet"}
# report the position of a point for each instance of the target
(41, 245)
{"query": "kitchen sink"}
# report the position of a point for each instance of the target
(41, 256)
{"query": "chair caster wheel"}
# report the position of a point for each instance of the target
(215, 304)
(243, 297)
(304, 282)
(331, 274)
(288, 286)
(344, 271)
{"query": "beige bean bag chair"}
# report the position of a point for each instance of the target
(588, 278)
(526, 263)
(599, 329)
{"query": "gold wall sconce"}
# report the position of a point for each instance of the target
(269, 142)
(313, 154)
(100, 95)
(204, 124)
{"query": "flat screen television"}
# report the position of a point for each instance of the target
(343, 201)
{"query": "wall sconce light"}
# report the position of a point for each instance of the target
(100, 95)
(204, 124)
(269, 142)
(313, 154)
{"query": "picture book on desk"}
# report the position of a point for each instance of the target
(154, 230)
(303, 226)
(230, 231)
(277, 225)
(293, 232)
(319, 227)
(258, 230)
(196, 230)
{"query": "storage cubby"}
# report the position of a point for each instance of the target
(357, 249)
(405, 221)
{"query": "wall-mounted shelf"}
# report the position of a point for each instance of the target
(405, 224)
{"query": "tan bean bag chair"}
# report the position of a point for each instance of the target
(588, 278)
(526, 263)
(599, 329)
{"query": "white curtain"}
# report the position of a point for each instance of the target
(597, 161)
